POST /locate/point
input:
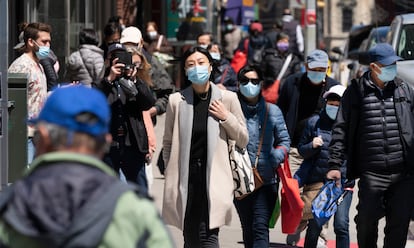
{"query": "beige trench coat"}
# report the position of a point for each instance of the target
(176, 154)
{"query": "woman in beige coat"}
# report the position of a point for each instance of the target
(198, 191)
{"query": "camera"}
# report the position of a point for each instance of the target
(125, 58)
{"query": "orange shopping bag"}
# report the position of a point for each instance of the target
(291, 203)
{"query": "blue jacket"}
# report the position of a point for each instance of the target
(275, 135)
(230, 78)
(289, 98)
(315, 164)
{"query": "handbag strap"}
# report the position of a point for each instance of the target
(159, 42)
(284, 67)
(223, 75)
(261, 136)
(246, 45)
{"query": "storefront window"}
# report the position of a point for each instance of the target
(66, 18)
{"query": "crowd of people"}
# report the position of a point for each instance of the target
(84, 136)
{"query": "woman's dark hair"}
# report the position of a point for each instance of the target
(112, 28)
(246, 69)
(216, 44)
(188, 53)
(282, 35)
(115, 19)
(88, 36)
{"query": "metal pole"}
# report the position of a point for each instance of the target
(4, 116)
(310, 26)
(209, 15)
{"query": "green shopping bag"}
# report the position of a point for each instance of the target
(275, 214)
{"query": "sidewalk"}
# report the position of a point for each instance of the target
(231, 236)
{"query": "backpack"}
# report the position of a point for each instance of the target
(240, 57)
(257, 51)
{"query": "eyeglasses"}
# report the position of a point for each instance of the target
(252, 80)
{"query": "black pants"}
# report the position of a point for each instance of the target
(380, 195)
(132, 163)
(196, 225)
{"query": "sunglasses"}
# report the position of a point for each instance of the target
(245, 81)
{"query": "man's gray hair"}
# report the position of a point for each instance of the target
(61, 137)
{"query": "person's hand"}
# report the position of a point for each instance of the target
(218, 110)
(132, 73)
(116, 70)
(153, 111)
(334, 175)
(317, 142)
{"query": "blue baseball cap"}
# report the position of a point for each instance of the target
(65, 104)
(383, 53)
(317, 58)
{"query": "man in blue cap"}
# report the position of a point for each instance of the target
(374, 130)
(69, 198)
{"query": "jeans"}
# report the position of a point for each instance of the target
(389, 195)
(31, 150)
(341, 226)
(255, 211)
(131, 162)
(196, 222)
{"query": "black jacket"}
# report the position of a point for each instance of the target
(345, 138)
(51, 76)
(289, 98)
(127, 112)
(273, 62)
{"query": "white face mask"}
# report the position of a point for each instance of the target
(152, 34)
(215, 56)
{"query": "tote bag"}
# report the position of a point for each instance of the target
(291, 205)
(241, 169)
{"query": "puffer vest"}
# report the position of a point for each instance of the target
(380, 149)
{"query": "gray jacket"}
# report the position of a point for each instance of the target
(86, 65)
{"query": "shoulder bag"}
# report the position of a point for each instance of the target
(258, 181)
(241, 169)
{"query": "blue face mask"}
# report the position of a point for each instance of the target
(43, 51)
(215, 56)
(198, 74)
(388, 73)
(249, 90)
(331, 111)
(316, 77)
(229, 27)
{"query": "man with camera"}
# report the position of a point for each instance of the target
(127, 98)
